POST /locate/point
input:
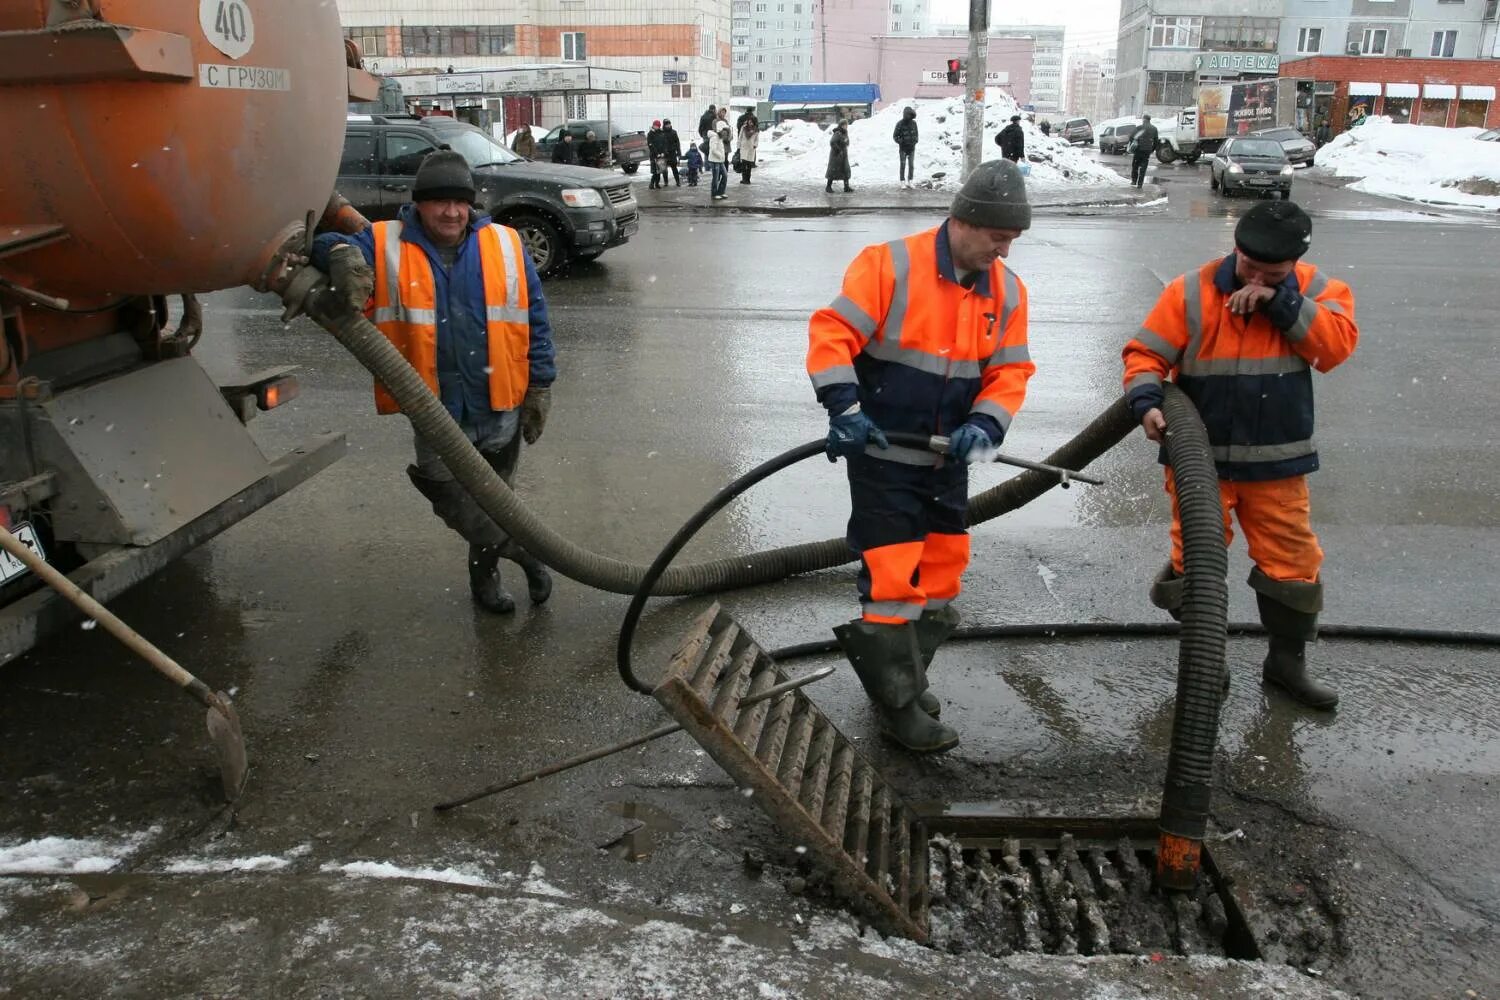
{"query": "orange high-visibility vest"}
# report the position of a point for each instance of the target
(404, 308)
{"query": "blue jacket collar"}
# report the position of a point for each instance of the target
(947, 270)
(1226, 282)
(412, 231)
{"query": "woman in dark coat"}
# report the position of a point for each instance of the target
(671, 152)
(838, 156)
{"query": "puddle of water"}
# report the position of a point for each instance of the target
(639, 843)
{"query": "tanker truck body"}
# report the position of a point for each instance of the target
(156, 149)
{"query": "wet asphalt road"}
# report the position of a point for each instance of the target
(370, 687)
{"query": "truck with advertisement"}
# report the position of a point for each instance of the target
(1229, 109)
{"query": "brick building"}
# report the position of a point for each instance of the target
(1444, 92)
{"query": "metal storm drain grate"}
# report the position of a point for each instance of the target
(982, 882)
(1002, 885)
(803, 772)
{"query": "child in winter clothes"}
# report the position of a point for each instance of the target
(694, 165)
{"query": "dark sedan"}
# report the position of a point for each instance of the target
(1250, 164)
(1299, 148)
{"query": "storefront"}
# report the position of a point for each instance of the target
(1447, 93)
(824, 103)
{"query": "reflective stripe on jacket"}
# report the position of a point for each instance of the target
(918, 351)
(1249, 376)
(404, 308)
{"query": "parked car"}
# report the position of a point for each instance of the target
(1115, 135)
(1077, 131)
(1493, 135)
(1248, 163)
(562, 212)
(629, 147)
(1298, 147)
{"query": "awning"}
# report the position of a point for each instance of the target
(1401, 90)
(824, 93)
(1364, 90)
(1478, 93)
(1439, 91)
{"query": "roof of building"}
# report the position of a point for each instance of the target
(825, 93)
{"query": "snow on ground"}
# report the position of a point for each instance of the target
(796, 152)
(384, 869)
(66, 855)
(1442, 166)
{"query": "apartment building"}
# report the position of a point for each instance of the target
(1091, 85)
(772, 42)
(682, 49)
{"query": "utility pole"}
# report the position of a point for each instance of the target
(979, 44)
(823, 33)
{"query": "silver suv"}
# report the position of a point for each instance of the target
(1078, 132)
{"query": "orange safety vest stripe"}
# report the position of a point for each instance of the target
(404, 308)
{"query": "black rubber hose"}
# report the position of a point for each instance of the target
(1187, 795)
(433, 422)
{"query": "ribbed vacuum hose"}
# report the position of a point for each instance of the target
(433, 422)
(1200, 660)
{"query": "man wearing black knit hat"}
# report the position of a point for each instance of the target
(1241, 337)
(459, 297)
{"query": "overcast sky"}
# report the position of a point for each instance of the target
(1091, 24)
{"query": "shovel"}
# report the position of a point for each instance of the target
(223, 721)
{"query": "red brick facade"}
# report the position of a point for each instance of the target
(1343, 70)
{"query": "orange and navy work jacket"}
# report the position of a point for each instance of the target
(1249, 376)
(919, 352)
(405, 309)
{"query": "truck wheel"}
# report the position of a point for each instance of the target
(541, 239)
(1165, 153)
(630, 168)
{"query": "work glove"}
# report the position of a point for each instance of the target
(534, 412)
(850, 432)
(350, 276)
(970, 443)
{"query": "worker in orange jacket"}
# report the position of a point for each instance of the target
(1241, 336)
(928, 336)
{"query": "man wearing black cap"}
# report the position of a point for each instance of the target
(460, 298)
(1243, 335)
(927, 337)
(1012, 140)
(1143, 143)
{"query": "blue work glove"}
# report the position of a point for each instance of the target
(850, 432)
(969, 442)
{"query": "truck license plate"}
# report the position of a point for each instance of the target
(10, 566)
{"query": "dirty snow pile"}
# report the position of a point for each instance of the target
(797, 152)
(1441, 166)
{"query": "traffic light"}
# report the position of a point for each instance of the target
(955, 67)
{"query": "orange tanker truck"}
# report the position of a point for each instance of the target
(155, 150)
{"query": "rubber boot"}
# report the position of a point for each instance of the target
(889, 665)
(933, 629)
(484, 580)
(1289, 611)
(847, 188)
(828, 187)
(538, 580)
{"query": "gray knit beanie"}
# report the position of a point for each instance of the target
(993, 197)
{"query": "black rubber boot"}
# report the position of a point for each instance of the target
(828, 187)
(538, 580)
(933, 629)
(847, 188)
(1289, 611)
(889, 665)
(484, 580)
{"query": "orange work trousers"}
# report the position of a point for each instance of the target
(1275, 515)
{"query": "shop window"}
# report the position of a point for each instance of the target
(1472, 114)
(1435, 111)
(1399, 108)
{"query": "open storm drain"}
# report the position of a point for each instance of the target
(1008, 885)
(958, 877)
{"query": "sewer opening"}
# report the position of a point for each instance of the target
(1002, 892)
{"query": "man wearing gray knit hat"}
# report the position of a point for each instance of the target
(927, 337)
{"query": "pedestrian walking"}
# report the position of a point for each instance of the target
(1142, 144)
(1241, 336)
(719, 143)
(905, 136)
(459, 297)
(524, 143)
(655, 150)
(838, 156)
(694, 165)
(1046, 128)
(706, 121)
(749, 138)
(1012, 140)
(671, 151)
(927, 336)
(565, 151)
